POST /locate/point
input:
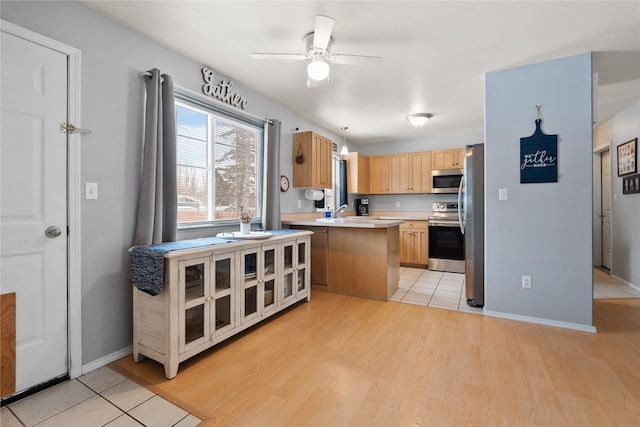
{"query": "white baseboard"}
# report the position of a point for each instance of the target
(620, 279)
(105, 360)
(541, 321)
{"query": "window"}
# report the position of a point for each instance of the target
(220, 164)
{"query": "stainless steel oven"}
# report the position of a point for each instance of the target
(446, 242)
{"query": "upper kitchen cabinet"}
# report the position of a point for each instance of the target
(447, 159)
(312, 165)
(409, 173)
(379, 174)
(357, 173)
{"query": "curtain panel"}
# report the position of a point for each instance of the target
(271, 193)
(157, 202)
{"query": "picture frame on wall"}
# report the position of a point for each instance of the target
(628, 157)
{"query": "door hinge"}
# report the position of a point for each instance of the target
(64, 128)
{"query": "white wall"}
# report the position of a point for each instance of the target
(542, 230)
(112, 107)
(625, 208)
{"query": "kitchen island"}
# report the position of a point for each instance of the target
(354, 256)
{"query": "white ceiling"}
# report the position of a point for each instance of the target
(435, 53)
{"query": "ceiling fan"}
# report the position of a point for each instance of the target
(318, 46)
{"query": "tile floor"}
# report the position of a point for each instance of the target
(433, 289)
(446, 290)
(106, 398)
(100, 398)
(606, 286)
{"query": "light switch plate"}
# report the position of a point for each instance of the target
(91, 191)
(503, 194)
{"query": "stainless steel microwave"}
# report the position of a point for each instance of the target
(446, 180)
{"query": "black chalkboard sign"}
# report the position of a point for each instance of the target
(539, 157)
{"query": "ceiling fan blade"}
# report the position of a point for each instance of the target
(294, 56)
(322, 31)
(355, 59)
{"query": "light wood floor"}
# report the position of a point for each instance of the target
(345, 361)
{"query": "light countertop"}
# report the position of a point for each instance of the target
(351, 222)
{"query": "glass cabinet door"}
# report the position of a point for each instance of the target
(288, 273)
(302, 266)
(249, 304)
(193, 295)
(268, 279)
(223, 278)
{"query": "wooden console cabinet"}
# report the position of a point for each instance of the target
(213, 292)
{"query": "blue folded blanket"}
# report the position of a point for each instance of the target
(147, 262)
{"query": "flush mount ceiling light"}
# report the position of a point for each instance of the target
(419, 119)
(318, 69)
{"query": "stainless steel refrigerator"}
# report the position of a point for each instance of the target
(471, 212)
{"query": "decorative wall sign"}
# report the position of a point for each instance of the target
(222, 91)
(628, 157)
(539, 156)
(631, 184)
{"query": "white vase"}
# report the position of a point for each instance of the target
(245, 228)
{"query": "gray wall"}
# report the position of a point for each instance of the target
(543, 230)
(112, 106)
(625, 208)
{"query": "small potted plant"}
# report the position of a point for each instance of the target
(245, 221)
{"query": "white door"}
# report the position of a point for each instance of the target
(33, 182)
(605, 209)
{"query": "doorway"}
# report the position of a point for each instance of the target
(40, 256)
(605, 208)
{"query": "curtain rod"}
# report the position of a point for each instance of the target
(264, 119)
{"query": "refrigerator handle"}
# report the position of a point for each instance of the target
(460, 207)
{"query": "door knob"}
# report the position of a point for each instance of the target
(53, 232)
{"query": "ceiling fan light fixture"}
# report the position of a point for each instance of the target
(419, 119)
(318, 69)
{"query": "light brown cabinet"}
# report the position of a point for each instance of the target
(447, 159)
(312, 165)
(410, 173)
(414, 243)
(379, 174)
(357, 173)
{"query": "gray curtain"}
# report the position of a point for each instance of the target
(157, 203)
(271, 192)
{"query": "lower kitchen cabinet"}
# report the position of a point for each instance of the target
(414, 243)
(214, 292)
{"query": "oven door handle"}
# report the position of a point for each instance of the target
(436, 223)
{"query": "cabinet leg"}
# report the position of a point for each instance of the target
(137, 357)
(170, 370)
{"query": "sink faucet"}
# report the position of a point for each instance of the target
(340, 210)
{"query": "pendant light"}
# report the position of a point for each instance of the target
(344, 150)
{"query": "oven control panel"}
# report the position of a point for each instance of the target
(445, 207)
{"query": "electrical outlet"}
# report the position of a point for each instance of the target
(526, 282)
(299, 204)
(397, 204)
